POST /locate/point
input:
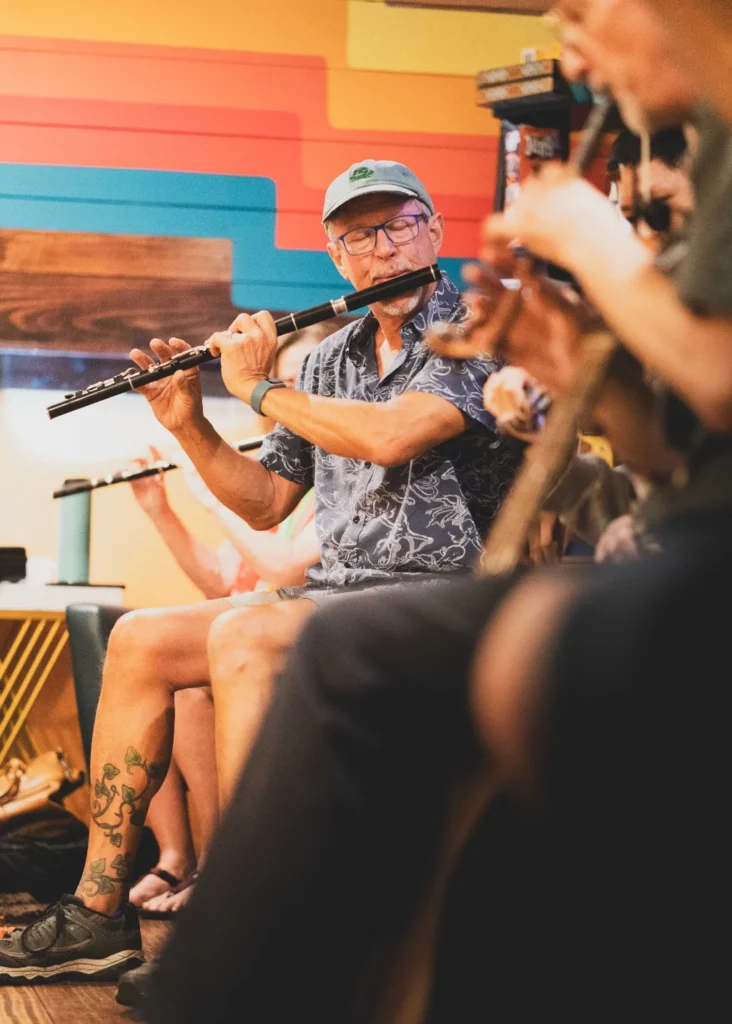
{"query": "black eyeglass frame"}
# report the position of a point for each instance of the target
(376, 228)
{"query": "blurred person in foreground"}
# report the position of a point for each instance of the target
(375, 718)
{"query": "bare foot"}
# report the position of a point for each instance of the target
(152, 885)
(174, 900)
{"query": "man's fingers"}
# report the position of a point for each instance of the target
(217, 341)
(265, 321)
(162, 349)
(497, 230)
(141, 359)
(178, 344)
(243, 323)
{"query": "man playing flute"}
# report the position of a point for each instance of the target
(408, 473)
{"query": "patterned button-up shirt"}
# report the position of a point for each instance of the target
(428, 515)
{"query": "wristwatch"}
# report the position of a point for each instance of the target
(261, 389)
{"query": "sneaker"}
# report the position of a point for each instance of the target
(71, 941)
(134, 986)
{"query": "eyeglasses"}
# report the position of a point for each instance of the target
(399, 230)
(656, 214)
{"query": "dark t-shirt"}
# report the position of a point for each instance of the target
(700, 265)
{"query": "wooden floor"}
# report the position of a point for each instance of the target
(67, 1002)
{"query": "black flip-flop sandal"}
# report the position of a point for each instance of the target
(168, 915)
(170, 880)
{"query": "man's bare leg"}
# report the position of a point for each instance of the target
(247, 649)
(168, 819)
(151, 654)
(194, 752)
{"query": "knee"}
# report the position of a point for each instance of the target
(234, 639)
(130, 633)
(143, 637)
(256, 637)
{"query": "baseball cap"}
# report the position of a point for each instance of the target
(374, 176)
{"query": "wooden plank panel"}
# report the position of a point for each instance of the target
(107, 314)
(97, 255)
(22, 1006)
(85, 1003)
(495, 6)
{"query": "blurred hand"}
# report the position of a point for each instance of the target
(555, 212)
(544, 337)
(507, 397)
(150, 492)
(247, 351)
(176, 400)
(618, 542)
(543, 548)
(537, 326)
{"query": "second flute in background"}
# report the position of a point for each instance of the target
(126, 476)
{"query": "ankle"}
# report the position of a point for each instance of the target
(176, 863)
(107, 904)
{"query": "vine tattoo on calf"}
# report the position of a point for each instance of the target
(109, 803)
(105, 883)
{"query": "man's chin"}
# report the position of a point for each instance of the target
(404, 306)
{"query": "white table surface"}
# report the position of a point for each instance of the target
(45, 598)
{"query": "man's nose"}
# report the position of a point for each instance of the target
(384, 245)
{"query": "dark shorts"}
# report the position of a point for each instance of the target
(323, 596)
(634, 765)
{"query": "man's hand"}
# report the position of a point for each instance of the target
(247, 352)
(150, 492)
(537, 326)
(556, 212)
(176, 400)
(543, 548)
(507, 397)
(618, 542)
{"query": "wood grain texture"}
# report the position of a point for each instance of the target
(97, 255)
(495, 6)
(104, 314)
(80, 1003)
(22, 1006)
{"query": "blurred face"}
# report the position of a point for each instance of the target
(670, 184)
(621, 46)
(388, 258)
(287, 365)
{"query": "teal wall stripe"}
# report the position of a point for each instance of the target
(117, 201)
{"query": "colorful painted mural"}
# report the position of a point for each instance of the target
(227, 119)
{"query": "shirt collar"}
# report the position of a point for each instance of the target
(445, 304)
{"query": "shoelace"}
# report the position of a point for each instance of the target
(55, 909)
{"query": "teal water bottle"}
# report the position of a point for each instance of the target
(74, 536)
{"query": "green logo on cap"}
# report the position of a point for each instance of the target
(359, 173)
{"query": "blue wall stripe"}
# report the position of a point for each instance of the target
(138, 202)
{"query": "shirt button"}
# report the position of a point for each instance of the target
(367, 465)
(357, 519)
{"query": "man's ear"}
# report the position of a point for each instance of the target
(334, 251)
(436, 228)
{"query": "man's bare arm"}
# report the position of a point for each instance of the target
(386, 433)
(246, 487)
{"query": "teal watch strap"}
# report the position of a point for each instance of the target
(261, 389)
